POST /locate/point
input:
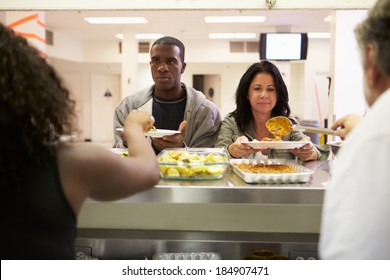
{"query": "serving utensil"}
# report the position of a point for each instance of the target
(312, 129)
(283, 124)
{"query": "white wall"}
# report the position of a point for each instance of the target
(182, 4)
(301, 78)
(303, 105)
(202, 59)
(74, 82)
(102, 118)
(101, 51)
(213, 82)
(315, 73)
(78, 78)
(66, 47)
(347, 91)
(214, 59)
(230, 74)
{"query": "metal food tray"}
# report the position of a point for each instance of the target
(302, 174)
(188, 256)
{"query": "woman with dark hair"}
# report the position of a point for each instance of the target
(262, 94)
(44, 177)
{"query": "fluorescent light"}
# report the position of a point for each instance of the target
(116, 20)
(221, 35)
(234, 19)
(232, 35)
(244, 35)
(319, 35)
(120, 36)
(148, 36)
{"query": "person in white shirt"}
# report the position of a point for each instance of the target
(355, 218)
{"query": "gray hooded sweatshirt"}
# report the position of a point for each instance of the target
(202, 116)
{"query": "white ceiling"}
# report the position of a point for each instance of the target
(185, 25)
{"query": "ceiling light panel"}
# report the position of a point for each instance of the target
(148, 36)
(236, 19)
(232, 35)
(116, 20)
(244, 35)
(120, 36)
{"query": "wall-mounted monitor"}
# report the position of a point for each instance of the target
(283, 46)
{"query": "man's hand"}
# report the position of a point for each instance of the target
(344, 125)
(171, 141)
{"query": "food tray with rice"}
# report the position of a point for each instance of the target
(270, 171)
(193, 163)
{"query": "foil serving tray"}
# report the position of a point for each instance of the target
(301, 174)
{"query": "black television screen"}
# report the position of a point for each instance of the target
(283, 46)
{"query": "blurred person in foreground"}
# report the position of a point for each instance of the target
(262, 94)
(45, 179)
(355, 218)
(173, 104)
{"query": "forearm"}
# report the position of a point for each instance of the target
(138, 146)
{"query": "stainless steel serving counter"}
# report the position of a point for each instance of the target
(226, 210)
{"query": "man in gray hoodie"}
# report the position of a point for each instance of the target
(174, 105)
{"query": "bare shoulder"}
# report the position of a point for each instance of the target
(78, 165)
(78, 153)
(83, 169)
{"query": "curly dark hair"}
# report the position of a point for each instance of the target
(35, 108)
(243, 113)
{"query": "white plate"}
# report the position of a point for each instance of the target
(118, 151)
(157, 133)
(276, 144)
(161, 132)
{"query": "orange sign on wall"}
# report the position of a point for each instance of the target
(30, 26)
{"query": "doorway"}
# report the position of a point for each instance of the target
(210, 85)
(105, 97)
